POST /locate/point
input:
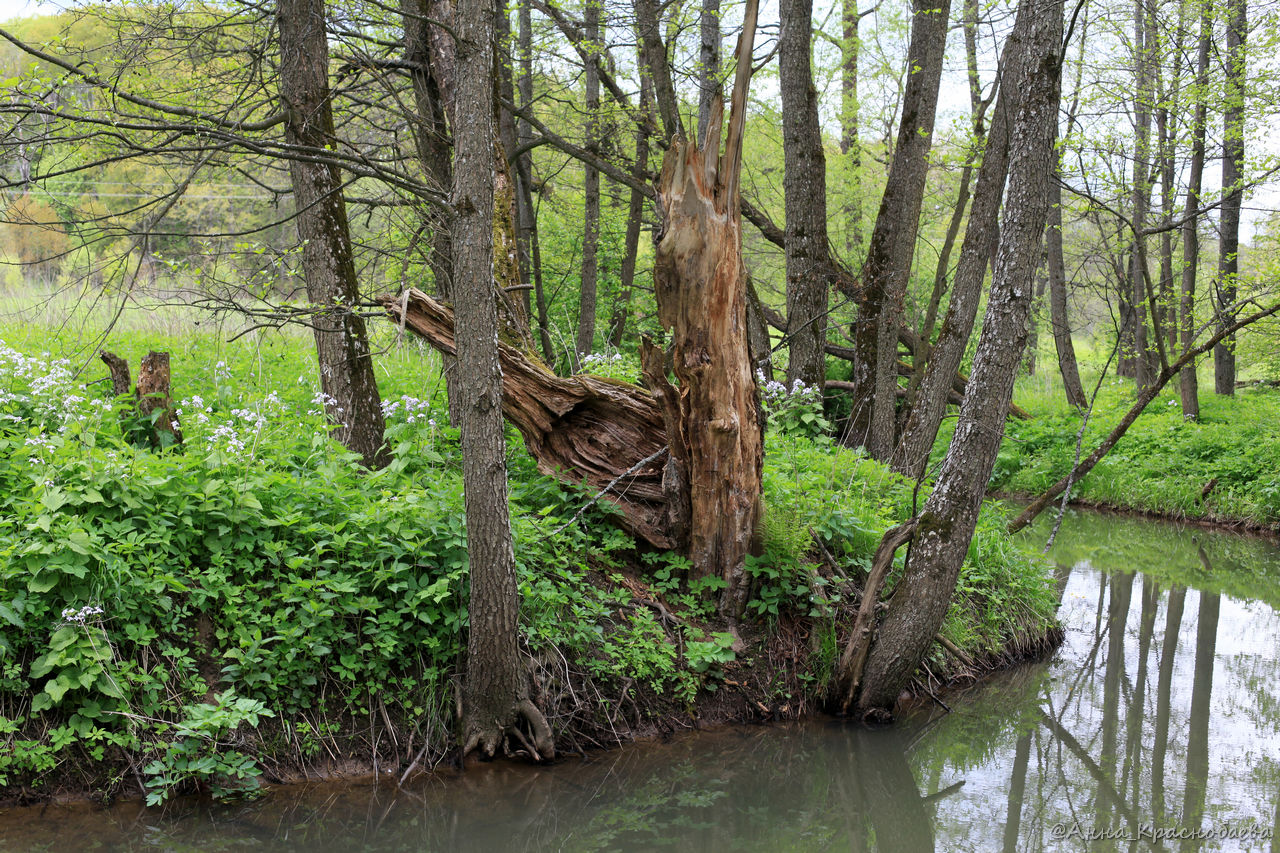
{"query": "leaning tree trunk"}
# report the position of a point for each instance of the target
(911, 455)
(1067, 364)
(946, 524)
(888, 264)
(342, 343)
(714, 423)
(496, 687)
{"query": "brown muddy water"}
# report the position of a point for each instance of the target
(1155, 727)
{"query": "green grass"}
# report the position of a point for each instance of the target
(1163, 463)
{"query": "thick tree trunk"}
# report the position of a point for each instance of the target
(946, 524)
(1058, 315)
(889, 255)
(342, 343)
(714, 424)
(1224, 355)
(912, 453)
(496, 688)
(805, 186)
(591, 194)
(1188, 384)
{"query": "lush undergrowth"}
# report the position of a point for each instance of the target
(1163, 464)
(254, 599)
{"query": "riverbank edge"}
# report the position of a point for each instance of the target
(1210, 521)
(750, 693)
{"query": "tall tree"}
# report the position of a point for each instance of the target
(889, 255)
(496, 688)
(944, 528)
(1140, 192)
(328, 268)
(591, 191)
(1224, 355)
(805, 188)
(1188, 384)
(709, 93)
(912, 452)
(850, 145)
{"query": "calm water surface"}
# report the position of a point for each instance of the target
(1159, 718)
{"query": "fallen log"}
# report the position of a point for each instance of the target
(579, 429)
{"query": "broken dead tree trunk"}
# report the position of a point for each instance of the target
(579, 429)
(154, 421)
(714, 419)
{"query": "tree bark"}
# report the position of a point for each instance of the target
(805, 187)
(947, 521)
(709, 93)
(1188, 383)
(888, 263)
(850, 146)
(342, 342)
(1058, 316)
(912, 453)
(1140, 194)
(496, 687)
(714, 421)
(527, 220)
(653, 54)
(631, 238)
(154, 421)
(591, 194)
(1224, 355)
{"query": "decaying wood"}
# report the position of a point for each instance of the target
(713, 419)
(580, 429)
(155, 421)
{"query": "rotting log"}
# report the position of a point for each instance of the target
(579, 429)
(700, 283)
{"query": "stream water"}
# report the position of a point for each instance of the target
(1156, 727)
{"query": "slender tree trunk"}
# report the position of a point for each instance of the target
(1188, 384)
(946, 523)
(653, 54)
(708, 64)
(1224, 355)
(1141, 192)
(850, 146)
(591, 187)
(924, 340)
(1067, 365)
(889, 256)
(631, 239)
(527, 219)
(1033, 320)
(912, 453)
(342, 342)
(714, 431)
(496, 688)
(805, 185)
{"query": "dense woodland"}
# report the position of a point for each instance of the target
(659, 239)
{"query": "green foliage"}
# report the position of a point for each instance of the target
(197, 757)
(1163, 463)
